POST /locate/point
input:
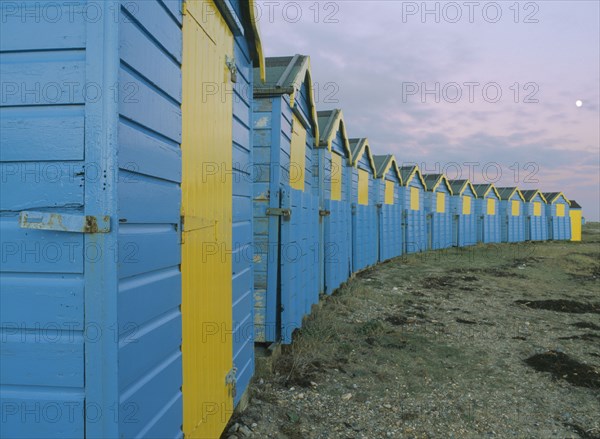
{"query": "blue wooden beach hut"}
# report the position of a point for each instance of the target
(389, 204)
(363, 191)
(464, 221)
(512, 214)
(334, 168)
(286, 199)
(143, 288)
(487, 210)
(536, 223)
(439, 213)
(558, 214)
(412, 194)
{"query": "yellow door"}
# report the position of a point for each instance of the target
(336, 176)
(297, 154)
(389, 192)
(440, 203)
(575, 224)
(363, 187)
(207, 221)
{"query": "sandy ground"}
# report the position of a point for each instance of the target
(488, 341)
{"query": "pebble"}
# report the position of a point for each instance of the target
(235, 427)
(346, 396)
(245, 431)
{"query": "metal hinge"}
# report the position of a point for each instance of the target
(275, 211)
(230, 63)
(63, 222)
(231, 382)
(324, 212)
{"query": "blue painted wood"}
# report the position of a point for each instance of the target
(286, 267)
(512, 227)
(338, 244)
(365, 242)
(389, 229)
(536, 227)
(488, 226)
(243, 249)
(464, 226)
(98, 154)
(55, 25)
(51, 133)
(414, 222)
(559, 228)
(439, 225)
(338, 224)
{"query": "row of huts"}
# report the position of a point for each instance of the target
(170, 198)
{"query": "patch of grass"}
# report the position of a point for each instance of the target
(370, 328)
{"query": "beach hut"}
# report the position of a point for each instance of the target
(439, 214)
(487, 210)
(536, 223)
(286, 199)
(335, 168)
(559, 219)
(389, 205)
(464, 224)
(412, 194)
(576, 220)
(363, 192)
(132, 276)
(512, 214)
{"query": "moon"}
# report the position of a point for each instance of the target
(578, 103)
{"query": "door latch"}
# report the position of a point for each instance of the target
(230, 63)
(64, 222)
(275, 211)
(324, 212)
(231, 382)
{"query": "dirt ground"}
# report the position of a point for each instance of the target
(487, 341)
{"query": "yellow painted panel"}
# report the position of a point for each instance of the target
(491, 206)
(297, 154)
(575, 224)
(560, 210)
(414, 198)
(363, 187)
(537, 208)
(515, 208)
(440, 202)
(207, 223)
(389, 192)
(336, 176)
(466, 207)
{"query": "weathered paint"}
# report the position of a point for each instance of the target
(363, 192)
(536, 223)
(576, 220)
(414, 224)
(512, 214)
(439, 212)
(389, 202)
(464, 220)
(559, 219)
(338, 221)
(487, 210)
(287, 269)
(120, 158)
